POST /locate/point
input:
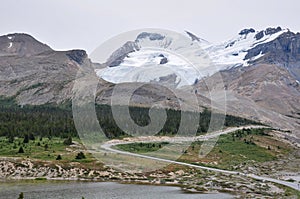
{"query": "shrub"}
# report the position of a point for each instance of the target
(21, 196)
(80, 156)
(58, 157)
(68, 141)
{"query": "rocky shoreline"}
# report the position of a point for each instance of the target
(190, 180)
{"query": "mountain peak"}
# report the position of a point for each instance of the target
(246, 31)
(20, 36)
(196, 38)
(77, 55)
(193, 36)
(150, 36)
(21, 44)
(268, 31)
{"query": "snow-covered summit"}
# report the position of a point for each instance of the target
(160, 57)
(233, 52)
(154, 56)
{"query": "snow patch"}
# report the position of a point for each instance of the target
(10, 44)
(257, 56)
(144, 66)
(234, 51)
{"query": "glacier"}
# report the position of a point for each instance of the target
(159, 56)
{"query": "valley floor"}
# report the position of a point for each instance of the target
(205, 179)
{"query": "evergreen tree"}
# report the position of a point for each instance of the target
(58, 157)
(11, 139)
(21, 150)
(31, 136)
(26, 139)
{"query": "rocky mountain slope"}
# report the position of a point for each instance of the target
(260, 72)
(33, 73)
(264, 92)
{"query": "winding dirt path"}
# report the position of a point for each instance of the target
(108, 147)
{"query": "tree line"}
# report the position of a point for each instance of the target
(52, 120)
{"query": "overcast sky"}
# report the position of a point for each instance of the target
(85, 24)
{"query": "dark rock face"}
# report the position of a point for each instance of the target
(247, 31)
(283, 51)
(193, 37)
(164, 60)
(77, 55)
(270, 31)
(259, 35)
(151, 36)
(118, 56)
(230, 44)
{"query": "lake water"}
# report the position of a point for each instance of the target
(95, 190)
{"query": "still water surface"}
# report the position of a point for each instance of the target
(95, 190)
